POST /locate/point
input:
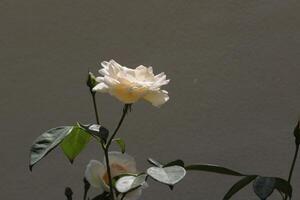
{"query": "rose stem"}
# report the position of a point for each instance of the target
(106, 148)
(125, 110)
(293, 166)
(95, 107)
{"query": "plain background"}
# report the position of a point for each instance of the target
(234, 70)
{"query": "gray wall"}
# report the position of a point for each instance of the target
(234, 67)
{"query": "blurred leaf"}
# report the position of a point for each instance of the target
(281, 194)
(214, 169)
(123, 184)
(139, 181)
(121, 143)
(284, 187)
(264, 186)
(68, 193)
(154, 162)
(47, 142)
(96, 130)
(238, 186)
(175, 162)
(126, 184)
(75, 142)
(167, 175)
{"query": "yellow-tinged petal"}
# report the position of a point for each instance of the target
(157, 98)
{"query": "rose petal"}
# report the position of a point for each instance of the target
(100, 87)
(130, 85)
(121, 163)
(157, 98)
(94, 172)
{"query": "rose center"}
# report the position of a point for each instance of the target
(116, 170)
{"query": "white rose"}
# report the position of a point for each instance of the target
(96, 173)
(131, 85)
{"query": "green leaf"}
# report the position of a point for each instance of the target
(214, 169)
(47, 142)
(284, 187)
(167, 175)
(264, 186)
(175, 162)
(121, 143)
(238, 186)
(96, 130)
(75, 142)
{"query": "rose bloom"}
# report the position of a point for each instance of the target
(130, 85)
(96, 173)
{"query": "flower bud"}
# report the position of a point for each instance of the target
(297, 133)
(68, 193)
(91, 81)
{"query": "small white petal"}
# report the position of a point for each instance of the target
(128, 71)
(125, 77)
(141, 68)
(157, 98)
(161, 78)
(99, 79)
(104, 64)
(113, 70)
(160, 83)
(115, 64)
(142, 74)
(94, 172)
(158, 76)
(103, 72)
(150, 70)
(110, 81)
(101, 87)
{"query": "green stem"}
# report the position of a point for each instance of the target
(293, 166)
(106, 148)
(125, 110)
(111, 189)
(95, 107)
